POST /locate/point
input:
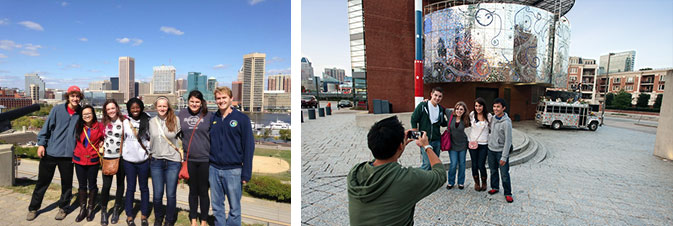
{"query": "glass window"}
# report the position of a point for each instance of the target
(576, 110)
(662, 78)
(550, 108)
(661, 87)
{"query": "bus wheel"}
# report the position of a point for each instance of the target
(593, 126)
(556, 125)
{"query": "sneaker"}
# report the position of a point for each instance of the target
(493, 191)
(143, 222)
(31, 215)
(509, 198)
(60, 215)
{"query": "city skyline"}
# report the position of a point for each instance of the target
(593, 32)
(79, 42)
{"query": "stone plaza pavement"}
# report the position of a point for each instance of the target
(588, 178)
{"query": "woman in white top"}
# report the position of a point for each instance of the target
(136, 159)
(478, 142)
(112, 121)
(166, 161)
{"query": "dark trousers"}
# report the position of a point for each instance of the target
(141, 172)
(86, 176)
(107, 183)
(198, 189)
(478, 157)
(494, 165)
(46, 174)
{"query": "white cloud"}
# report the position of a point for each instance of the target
(3, 55)
(32, 47)
(64, 3)
(30, 53)
(254, 2)
(83, 39)
(171, 30)
(4, 21)
(32, 25)
(94, 71)
(31, 50)
(137, 42)
(123, 40)
(74, 66)
(220, 66)
(8, 45)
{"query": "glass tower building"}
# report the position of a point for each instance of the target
(619, 62)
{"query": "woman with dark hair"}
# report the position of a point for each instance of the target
(136, 159)
(478, 142)
(194, 121)
(166, 161)
(113, 121)
(457, 123)
(89, 136)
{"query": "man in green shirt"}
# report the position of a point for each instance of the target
(382, 192)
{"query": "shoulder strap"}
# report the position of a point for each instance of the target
(161, 130)
(135, 133)
(92, 145)
(189, 145)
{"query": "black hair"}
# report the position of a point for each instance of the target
(198, 95)
(438, 89)
(79, 126)
(143, 117)
(484, 112)
(500, 101)
(385, 137)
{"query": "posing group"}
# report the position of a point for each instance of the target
(218, 149)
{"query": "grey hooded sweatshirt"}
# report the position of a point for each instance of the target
(387, 194)
(500, 138)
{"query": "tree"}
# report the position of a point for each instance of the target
(609, 99)
(622, 100)
(643, 100)
(267, 134)
(657, 102)
(285, 134)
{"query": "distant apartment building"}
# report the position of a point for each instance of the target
(582, 77)
(279, 82)
(100, 85)
(163, 80)
(337, 73)
(619, 62)
(276, 100)
(11, 98)
(236, 89)
(127, 77)
(307, 75)
(650, 82)
(34, 78)
(34, 93)
(253, 82)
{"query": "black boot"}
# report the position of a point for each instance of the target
(116, 210)
(82, 205)
(103, 216)
(91, 205)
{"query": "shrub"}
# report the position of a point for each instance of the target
(29, 152)
(643, 100)
(657, 102)
(622, 100)
(609, 99)
(268, 188)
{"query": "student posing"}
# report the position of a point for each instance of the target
(457, 125)
(136, 159)
(89, 136)
(113, 121)
(500, 145)
(480, 119)
(429, 117)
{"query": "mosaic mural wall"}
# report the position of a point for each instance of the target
(495, 42)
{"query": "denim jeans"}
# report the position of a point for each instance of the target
(139, 171)
(478, 157)
(494, 165)
(164, 174)
(225, 182)
(457, 160)
(426, 162)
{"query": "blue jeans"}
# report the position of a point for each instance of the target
(225, 182)
(164, 174)
(494, 165)
(426, 162)
(140, 171)
(478, 157)
(457, 160)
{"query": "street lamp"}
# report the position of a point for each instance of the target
(607, 86)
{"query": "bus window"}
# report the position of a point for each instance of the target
(550, 109)
(577, 110)
(563, 109)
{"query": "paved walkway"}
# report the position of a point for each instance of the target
(589, 178)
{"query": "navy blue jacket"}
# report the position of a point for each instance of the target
(58, 132)
(232, 144)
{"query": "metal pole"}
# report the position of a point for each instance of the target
(607, 86)
(418, 62)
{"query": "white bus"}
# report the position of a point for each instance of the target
(561, 114)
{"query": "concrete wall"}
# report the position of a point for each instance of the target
(663, 146)
(6, 165)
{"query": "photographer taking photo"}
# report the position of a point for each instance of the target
(381, 191)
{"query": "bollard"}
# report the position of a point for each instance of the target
(321, 112)
(302, 117)
(311, 113)
(328, 110)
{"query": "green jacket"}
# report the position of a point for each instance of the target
(420, 119)
(387, 194)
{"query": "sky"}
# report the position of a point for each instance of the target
(76, 42)
(598, 27)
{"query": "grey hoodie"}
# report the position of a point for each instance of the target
(500, 138)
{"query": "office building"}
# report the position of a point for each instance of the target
(196, 81)
(127, 77)
(34, 93)
(236, 89)
(163, 80)
(100, 85)
(278, 82)
(181, 84)
(337, 73)
(253, 82)
(276, 100)
(307, 83)
(145, 88)
(34, 79)
(114, 82)
(212, 84)
(619, 62)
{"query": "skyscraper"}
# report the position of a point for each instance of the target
(307, 75)
(34, 92)
(279, 82)
(253, 81)
(212, 84)
(236, 87)
(619, 62)
(337, 73)
(181, 84)
(127, 77)
(33, 78)
(114, 82)
(163, 80)
(196, 81)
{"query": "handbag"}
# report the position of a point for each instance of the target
(475, 144)
(110, 166)
(446, 137)
(184, 172)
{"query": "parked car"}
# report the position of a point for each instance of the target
(344, 103)
(308, 101)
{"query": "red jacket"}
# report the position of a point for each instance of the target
(87, 155)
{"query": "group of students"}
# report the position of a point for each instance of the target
(489, 138)
(218, 151)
